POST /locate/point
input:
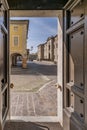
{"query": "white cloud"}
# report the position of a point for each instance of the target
(46, 27)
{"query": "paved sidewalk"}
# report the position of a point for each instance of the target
(41, 103)
(33, 77)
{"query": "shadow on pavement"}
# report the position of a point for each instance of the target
(34, 69)
(21, 125)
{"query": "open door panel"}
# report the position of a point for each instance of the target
(4, 66)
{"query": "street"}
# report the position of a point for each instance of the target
(34, 76)
(34, 92)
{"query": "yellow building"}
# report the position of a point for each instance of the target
(18, 40)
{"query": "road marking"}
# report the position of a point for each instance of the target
(44, 76)
(45, 85)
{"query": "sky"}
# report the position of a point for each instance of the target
(40, 28)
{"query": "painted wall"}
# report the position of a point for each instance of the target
(21, 32)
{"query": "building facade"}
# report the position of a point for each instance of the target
(48, 50)
(55, 49)
(45, 51)
(18, 39)
(40, 52)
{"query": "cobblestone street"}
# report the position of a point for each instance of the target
(34, 93)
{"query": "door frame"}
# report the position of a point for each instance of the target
(49, 13)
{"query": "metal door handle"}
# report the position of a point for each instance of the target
(11, 85)
(58, 86)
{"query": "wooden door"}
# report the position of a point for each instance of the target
(75, 117)
(4, 66)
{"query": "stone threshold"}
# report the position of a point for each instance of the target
(35, 118)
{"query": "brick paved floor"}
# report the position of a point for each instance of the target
(41, 103)
(29, 97)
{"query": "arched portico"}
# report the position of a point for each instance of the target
(14, 58)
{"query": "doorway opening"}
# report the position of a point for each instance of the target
(33, 95)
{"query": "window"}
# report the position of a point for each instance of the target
(16, 41)
(15, 28)
(56, 45)
(49, 47)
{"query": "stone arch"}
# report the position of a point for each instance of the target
(15, 57)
